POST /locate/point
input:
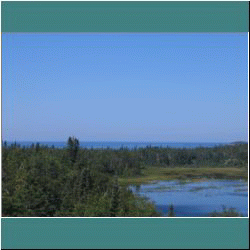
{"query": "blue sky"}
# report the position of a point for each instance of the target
(125, 87)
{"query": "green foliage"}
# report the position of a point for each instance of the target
(115, 199)
(42, 181)
(73, 147)
(73, 181)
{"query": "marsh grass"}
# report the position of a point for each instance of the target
(150, 174)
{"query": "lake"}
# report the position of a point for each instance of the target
(196, 199)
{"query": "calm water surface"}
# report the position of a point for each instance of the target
(196, 199)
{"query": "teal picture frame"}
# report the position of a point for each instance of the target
(128, 233)
(124, 16)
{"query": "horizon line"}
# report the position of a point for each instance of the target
(120, 141)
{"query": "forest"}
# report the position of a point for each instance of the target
(42, 181)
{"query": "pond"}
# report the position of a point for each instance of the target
(196, 199)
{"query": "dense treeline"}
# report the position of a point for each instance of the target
(230, 155)
(73, 181)
(42, 181)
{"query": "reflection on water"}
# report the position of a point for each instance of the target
(196, 199)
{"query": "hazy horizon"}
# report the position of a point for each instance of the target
(155, 142)
(181, 88)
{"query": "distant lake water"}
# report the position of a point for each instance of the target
(118, 145)
(196, 199)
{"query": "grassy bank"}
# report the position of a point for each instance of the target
(185, 173)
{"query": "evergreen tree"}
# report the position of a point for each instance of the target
(73, 147)
(115, 199)
(37, 146)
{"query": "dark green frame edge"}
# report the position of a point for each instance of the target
(128, 233)
(125, 16)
